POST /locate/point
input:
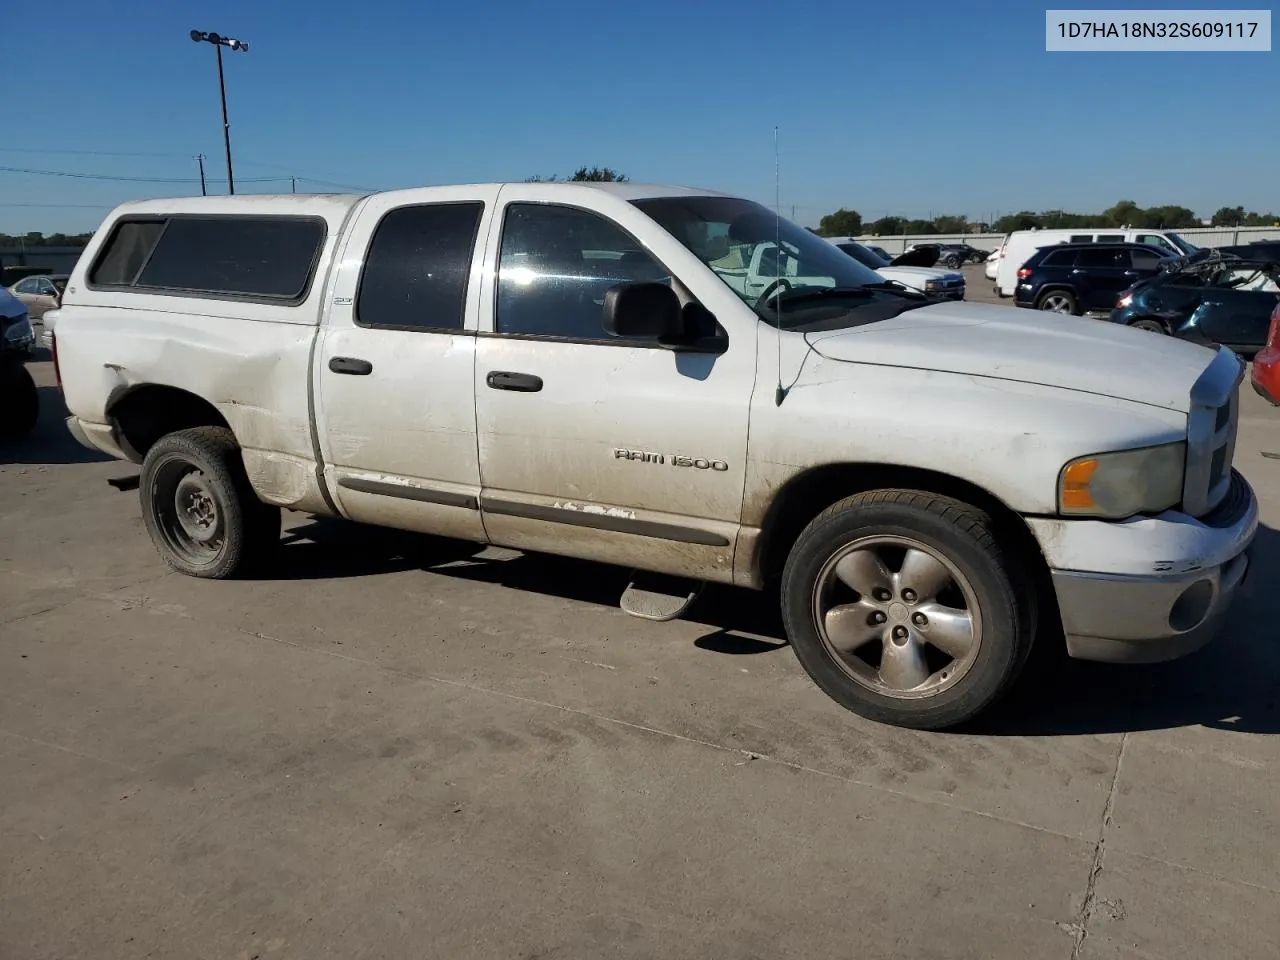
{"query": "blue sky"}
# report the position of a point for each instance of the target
(912, 108)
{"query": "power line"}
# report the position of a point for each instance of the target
(106, 176)
(95, 153)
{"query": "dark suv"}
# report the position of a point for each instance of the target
(1083, 277)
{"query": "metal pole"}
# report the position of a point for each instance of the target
(200, 160)
(293, 184)
(226, 127)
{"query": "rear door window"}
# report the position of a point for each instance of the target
(1144, 259)
(415, 275)
(1159, 242)
(1100, 259)
(1059, 258)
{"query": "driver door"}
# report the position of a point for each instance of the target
(593, 445)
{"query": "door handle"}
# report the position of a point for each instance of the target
(519, 382)
(352, 365)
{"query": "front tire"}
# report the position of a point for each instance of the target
(901, 606)
(199, 507)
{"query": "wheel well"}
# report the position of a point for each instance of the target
(808, 494)
(1163, 325)
(145, 414)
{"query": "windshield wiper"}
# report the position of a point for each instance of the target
(793, 294)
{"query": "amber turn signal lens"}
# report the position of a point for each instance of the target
(1075, 485)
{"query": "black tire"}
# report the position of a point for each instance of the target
(203, 467)
(1150, 325)
(19, 401)
(1066, 296)
(952, 261)
(949, 528)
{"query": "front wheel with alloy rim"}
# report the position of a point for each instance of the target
(902, 606)
(199, 507)
(1057, 301)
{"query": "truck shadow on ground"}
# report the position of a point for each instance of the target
(1233, 684)
(50, 442)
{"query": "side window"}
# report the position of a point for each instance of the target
(556, 264)
(46, 288)
(125, 251)
(1110, 238)
(1081, 238)
(1059, 258)
(1155, 240)
(25, 286)
(268, 257)
(415, 274)
(1144, 260)
(1098, 258)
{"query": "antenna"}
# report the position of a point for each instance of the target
(779, 394)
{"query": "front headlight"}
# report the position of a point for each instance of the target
(1121, 484)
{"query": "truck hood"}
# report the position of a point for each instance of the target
(923, 273)
(1027, 346)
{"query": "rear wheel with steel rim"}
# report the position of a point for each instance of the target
(901, 606)
(199, 507)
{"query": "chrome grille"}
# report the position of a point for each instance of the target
(1211, 433)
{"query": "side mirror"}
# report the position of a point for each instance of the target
(644, 310)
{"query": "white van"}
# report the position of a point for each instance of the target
(1021, 244)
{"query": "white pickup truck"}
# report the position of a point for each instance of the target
(577, 369)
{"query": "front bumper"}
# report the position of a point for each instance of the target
(1171, 581)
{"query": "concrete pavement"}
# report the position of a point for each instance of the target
(400, 747)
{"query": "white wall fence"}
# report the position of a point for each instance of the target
(1200, 236)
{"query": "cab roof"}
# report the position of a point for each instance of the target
(331, 205)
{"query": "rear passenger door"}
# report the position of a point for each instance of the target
(1100, 274)
(394, 371)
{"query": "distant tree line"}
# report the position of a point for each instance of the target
(849, 223)
(37, 239)
(585, 175)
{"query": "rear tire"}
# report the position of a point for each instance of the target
(1058, 301)
(1149, 325)
(19, 401)
(937, 632)
(200, 509)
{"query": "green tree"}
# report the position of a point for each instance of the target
(951, 223)
(1124, 213)
(598, 175)
(887, 226)
(1228, 217)
(1169, 217)
(842, 223)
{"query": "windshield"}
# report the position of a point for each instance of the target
(754, 251)
(864, 255)
(1186, 246)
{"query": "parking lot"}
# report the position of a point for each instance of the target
(403, 746)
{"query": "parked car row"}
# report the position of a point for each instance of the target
(1151, 280)
(909, 269)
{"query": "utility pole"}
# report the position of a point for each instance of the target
(293, 184)
(219, 42)
(200, 160)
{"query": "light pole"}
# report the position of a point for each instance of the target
(219, 42)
